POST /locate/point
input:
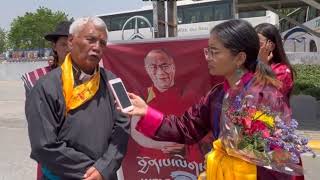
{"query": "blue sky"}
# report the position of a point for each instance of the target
(74, 8)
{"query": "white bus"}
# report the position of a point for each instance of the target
(295, 38)
(194, 18)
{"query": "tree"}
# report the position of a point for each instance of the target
(27, 32)
(2, 40)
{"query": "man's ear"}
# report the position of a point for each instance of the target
(242, 56)
(70, 40)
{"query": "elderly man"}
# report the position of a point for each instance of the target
(161, 70)
(168, 97)
(74, 128)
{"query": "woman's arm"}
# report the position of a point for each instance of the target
(283, 74)
(147, 142)
(189, 128)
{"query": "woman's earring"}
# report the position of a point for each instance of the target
(239, 72)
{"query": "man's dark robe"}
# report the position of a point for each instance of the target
(67, 144)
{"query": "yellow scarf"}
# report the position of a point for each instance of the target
(221, 166)
(151, 95)
(76, 96)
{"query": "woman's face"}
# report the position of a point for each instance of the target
(262, 39)
(221, 62)
(266, 43)
(61, 47)
(266, 49)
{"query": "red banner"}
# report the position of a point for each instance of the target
(171, 76)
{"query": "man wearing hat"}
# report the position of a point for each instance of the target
(59, 39)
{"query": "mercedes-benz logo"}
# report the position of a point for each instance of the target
(136, 34)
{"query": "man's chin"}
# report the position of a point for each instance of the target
(94, 59)
(164, 86)
(90, 65)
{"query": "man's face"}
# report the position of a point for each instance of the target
(161, 70)
(87, 47)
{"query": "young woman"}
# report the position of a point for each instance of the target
(272, 53)
(232, 52)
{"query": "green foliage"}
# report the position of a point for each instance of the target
(28, 31)
(256, 142)
(2, 40)
(307, 80)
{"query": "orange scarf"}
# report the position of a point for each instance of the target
(76, 96)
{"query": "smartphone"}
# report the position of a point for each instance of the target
(121, 95)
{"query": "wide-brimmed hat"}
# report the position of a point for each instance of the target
(62, 29)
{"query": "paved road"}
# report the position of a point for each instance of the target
(15, 163)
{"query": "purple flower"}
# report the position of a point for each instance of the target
(304, 140)
(237, 102)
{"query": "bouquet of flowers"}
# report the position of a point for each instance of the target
(261, 132)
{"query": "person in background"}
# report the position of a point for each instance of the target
(161, 69)
(272, 53)
(59, 40)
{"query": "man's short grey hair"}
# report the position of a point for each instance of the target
(80, 23)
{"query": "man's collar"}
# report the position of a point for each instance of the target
(85, 77)
(79, 75)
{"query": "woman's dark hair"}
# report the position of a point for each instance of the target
(55, 59)
(55, 54)
(239, 36)
(271, 33)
